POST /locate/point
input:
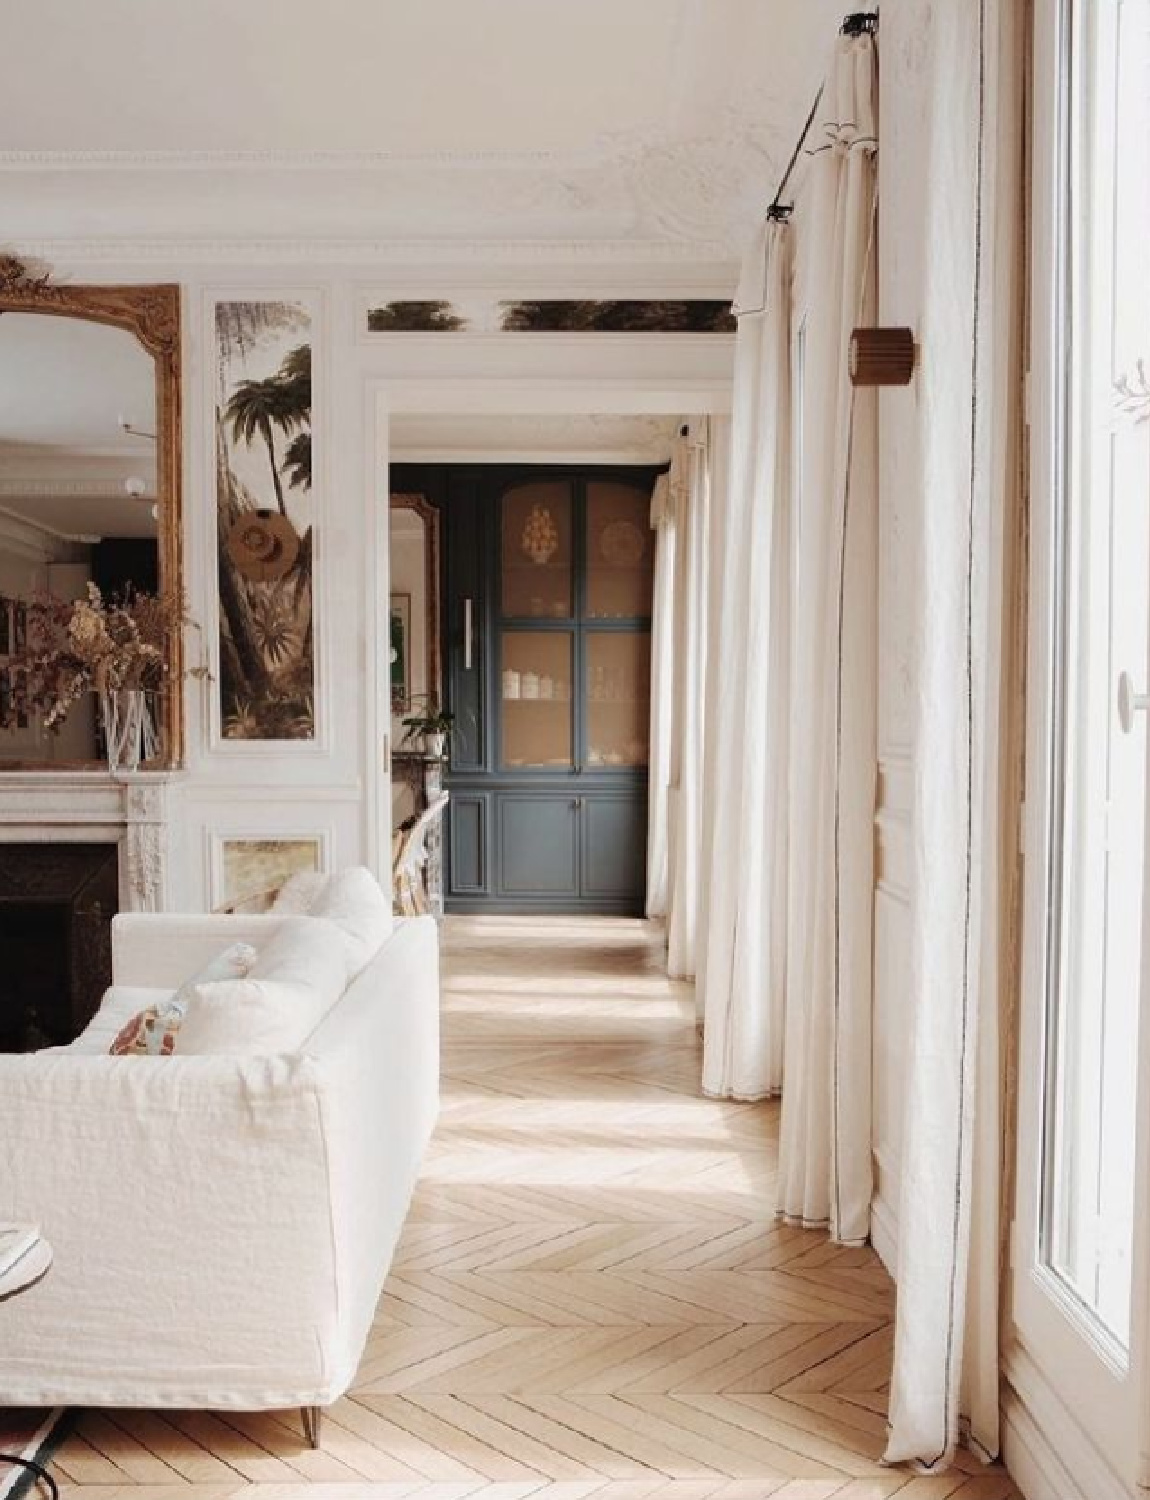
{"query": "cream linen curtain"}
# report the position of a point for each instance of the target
(946, 1346)
(825, 1143)
(663, 524)
(741, 955)
(691, 479)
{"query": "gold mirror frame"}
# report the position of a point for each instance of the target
(429, 515)
(152, 314)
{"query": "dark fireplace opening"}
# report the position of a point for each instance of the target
(57, 902)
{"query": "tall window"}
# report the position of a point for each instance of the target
(1100, 669)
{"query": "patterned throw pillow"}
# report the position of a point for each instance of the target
(152, 1032)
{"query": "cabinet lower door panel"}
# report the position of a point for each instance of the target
(538, 846)
(614, 847)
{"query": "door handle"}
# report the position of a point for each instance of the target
(468, 635)
(1130, 702)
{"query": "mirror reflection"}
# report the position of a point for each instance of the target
(416, 685)
(78, 500)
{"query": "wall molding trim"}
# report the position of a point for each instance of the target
(1045, 1449)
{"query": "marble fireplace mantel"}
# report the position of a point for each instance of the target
(68, 807)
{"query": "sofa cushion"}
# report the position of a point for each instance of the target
(297, 977)
(353, 900)
(299, 892)
(152, 1030)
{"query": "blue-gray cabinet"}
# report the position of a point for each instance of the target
(547, 642)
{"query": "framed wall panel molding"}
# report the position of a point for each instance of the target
(266, 424)
(283, 848)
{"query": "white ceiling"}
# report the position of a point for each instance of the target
(629, 121)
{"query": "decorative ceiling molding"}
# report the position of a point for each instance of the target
(712, 258)
(16, 488)
(215, 161)
(634, 196)
(31, 540)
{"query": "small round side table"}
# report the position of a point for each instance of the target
(32, 1267)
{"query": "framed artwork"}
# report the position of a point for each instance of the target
(252, 866)
(400, 636)
(265, 513)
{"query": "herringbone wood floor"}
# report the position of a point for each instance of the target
(591, 1297)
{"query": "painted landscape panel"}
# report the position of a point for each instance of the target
(258, 867)
(265, 519)
(470, 313)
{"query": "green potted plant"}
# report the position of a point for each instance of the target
(430, 727)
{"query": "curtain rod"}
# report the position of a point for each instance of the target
(858, 23)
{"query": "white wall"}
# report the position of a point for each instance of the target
(336, 789)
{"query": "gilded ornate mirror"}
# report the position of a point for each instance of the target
(89, 495)
(415, 671)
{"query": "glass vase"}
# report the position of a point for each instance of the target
(129, 731)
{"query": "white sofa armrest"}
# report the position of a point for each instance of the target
(377, 1068)
(187, 1202)
(158, 951)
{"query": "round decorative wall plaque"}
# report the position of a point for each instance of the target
(622, 544)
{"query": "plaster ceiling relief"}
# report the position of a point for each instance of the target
(656, 127)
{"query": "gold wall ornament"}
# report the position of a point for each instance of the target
(540, 539)
(151, 313)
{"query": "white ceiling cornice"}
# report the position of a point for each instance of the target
(304, 161)
(699, 268)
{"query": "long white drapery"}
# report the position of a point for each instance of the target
(785, 964)
(946, 1347)
(825, 1153)
(663, 524)
(741, 950)
(692, 478)
(680, 515)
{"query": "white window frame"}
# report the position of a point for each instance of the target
(1093, 1391)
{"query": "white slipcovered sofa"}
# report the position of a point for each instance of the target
(221, 1225)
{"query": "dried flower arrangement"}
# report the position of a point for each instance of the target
(88, 645)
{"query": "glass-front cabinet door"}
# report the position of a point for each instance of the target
(576, 564)
(620, 552)
(535, 676)
(618, 698)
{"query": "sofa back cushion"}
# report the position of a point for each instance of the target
(153, 1031)
(299, 893)
(297, 977)
(354, 901)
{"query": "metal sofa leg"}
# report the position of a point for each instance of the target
(312, 1418)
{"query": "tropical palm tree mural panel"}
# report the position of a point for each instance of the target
(265, 519)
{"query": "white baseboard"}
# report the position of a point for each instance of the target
(884, 1234)
(1048, 1454)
